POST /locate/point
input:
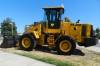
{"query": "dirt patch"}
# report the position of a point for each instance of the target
(89, 59)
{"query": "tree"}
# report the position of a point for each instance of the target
(97, 32)
(66, 19)
(8, 27)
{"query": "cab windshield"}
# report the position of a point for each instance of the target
(53, 14)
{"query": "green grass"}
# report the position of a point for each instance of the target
(46, 59)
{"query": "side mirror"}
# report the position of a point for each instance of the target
(78, 21)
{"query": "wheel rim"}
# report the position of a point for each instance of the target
(65, 46)
(26, 42)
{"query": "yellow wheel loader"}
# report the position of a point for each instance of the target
(56, 33)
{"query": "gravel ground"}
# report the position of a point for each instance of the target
(90, 58)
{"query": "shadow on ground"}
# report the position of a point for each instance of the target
(78, 52)
(75, 52)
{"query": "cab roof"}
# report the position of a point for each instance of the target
(54, 7)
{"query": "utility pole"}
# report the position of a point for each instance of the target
(12, 28)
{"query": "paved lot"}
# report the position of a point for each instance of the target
(7, 59)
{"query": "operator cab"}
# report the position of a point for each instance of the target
(53, 16)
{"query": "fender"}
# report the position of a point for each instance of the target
(36, 34)
(63, 37)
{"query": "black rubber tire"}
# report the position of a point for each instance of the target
(32, 45)
(73, 45)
